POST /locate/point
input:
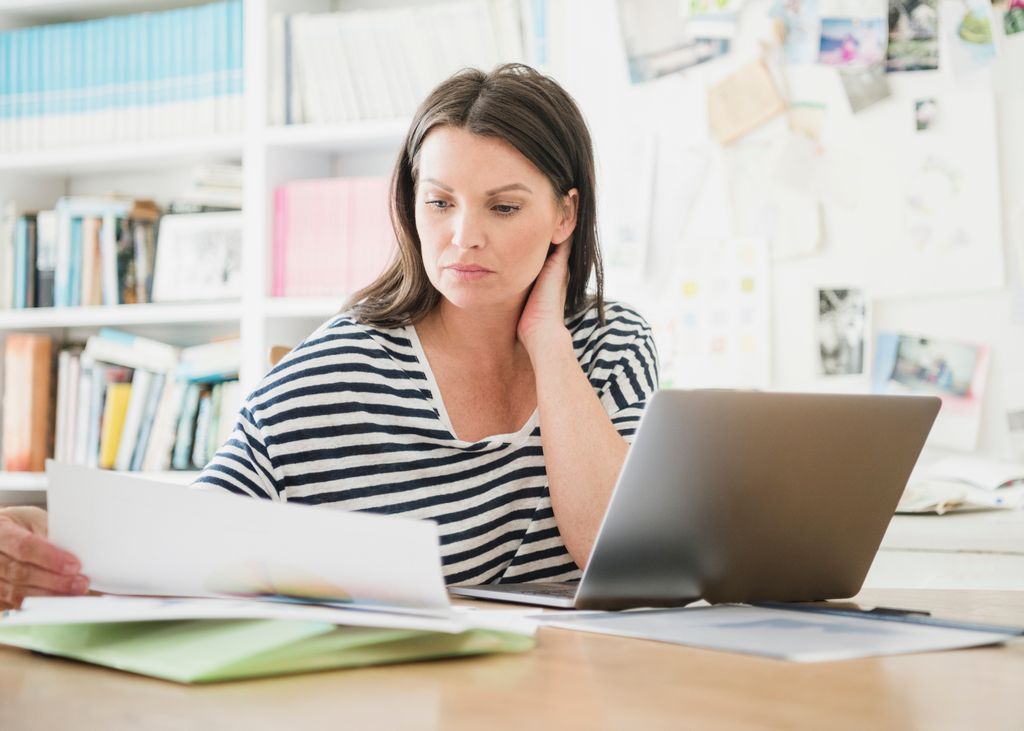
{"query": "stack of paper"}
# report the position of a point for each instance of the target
(243, 587)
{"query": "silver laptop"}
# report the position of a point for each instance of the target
(745, 496)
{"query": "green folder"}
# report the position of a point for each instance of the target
(205, 651)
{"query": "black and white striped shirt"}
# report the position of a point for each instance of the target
(353, 418)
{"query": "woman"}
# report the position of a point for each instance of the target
(475, 383)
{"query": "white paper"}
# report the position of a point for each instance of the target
(108, 609)
(785, 634)
(979, 471)
(137, 536)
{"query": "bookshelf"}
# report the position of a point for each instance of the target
(270, 155)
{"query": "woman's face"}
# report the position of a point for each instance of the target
(485, 217)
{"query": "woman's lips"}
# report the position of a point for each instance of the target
(468, 272)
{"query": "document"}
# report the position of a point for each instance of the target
(137, 536)
(799, 636)
(207, 640)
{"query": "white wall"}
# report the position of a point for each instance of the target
(587, 56)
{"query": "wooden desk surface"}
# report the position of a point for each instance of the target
(571, 680)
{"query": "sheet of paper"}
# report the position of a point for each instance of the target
(137, 536)
(106, 609)
(788, 635)
(743, 101)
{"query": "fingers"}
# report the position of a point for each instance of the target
(19, 573)
(12, 596)
(22, 545)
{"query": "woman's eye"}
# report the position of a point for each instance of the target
(505, 210)
(439, 205)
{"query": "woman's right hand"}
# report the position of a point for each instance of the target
(29, 564)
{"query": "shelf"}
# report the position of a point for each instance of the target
(36, 11)
(318, 307)
(106, 157)
(352, 137)
(36, 481)
(37, 318)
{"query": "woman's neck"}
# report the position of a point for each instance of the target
(485, 338)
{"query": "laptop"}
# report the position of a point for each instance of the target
(745, 496)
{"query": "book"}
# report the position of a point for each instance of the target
(142, 381)
(27, 402)
(181, 459)
(115, 407)
(165, 423)
(46, 258)
(204, 413)
(132, 351)
(156, 390)
(214, 361)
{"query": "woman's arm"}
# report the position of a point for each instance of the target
(583, 452)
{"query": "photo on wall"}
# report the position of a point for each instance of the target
(913, 35)
(841, 324)
(954, 371)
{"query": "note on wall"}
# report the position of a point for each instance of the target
(934, 224)
(713, 329)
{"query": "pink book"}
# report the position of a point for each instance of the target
(372, 239)
(280, 240)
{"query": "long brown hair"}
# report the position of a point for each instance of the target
(535, 115)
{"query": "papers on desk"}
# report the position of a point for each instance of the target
(965, 483)
(136, 536)
(206, 640)
(313, 588)
(800, 636)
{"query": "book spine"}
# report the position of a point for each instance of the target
(114, 410)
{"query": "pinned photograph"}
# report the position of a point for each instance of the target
(954, 371)
(925, 113)
(854, 42)
(913, 35)
(1013, 19)
(799, 29)
(841, 323)
(661, 37)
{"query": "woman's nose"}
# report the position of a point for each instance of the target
(468, 232)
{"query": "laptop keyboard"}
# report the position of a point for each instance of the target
(565, 589)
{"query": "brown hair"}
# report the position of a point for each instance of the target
(535, 115)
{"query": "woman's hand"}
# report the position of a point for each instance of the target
(543, 315)
(29, 564)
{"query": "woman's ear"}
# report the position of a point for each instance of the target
(567, 217)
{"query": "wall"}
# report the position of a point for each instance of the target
(587, 55)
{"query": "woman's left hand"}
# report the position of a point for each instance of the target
(543, 315)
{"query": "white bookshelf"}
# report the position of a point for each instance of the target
(270, 156)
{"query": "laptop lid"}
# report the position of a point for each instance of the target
(743, 496)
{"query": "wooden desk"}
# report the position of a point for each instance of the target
(571, 680)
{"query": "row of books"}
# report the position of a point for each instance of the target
(115, 250)
(122, 402)
(332, 236)
(381, 63)
(130, 77)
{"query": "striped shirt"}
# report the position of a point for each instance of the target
(353, 418)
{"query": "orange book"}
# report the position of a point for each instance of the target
(27, 402)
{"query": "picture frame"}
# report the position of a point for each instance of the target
(198, 257)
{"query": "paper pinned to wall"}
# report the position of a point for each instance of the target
(742, 101)
(713, 328)
(934, 199)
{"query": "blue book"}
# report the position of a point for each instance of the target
(4, 90)
(181, 458)
(74, 281)
(20, 263)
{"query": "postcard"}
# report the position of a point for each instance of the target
(956, 372)
(913, 35)
(841, 324)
